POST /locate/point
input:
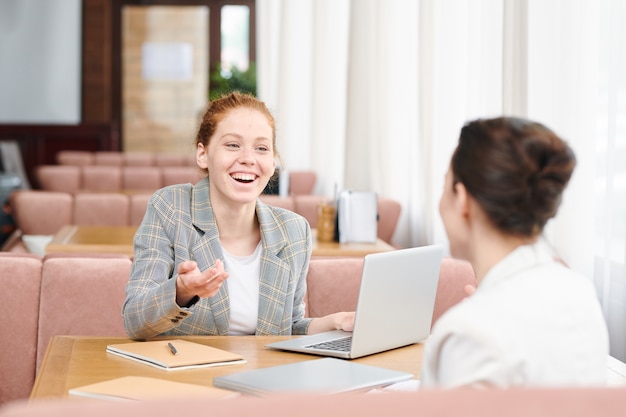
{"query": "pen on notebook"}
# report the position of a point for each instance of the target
(172, 348)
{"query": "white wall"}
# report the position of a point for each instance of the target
(40, 59)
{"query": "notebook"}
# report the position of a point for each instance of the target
(138, 388)
(394, 309)
(327, 375)
(174, 354)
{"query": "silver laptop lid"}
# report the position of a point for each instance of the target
(396, 299)
(327, 375)
(395, 305)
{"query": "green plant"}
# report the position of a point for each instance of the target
(221, 82)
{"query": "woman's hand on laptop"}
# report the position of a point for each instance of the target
(346, 321)
(336, 321)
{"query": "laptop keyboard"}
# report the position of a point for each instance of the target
(342, 345)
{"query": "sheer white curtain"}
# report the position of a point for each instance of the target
(465, 83)
(610, 178)
(577, 85)
(343, 78)
(302, 74)
(371, 94)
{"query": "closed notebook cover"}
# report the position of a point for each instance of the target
(142, 388)
(327, 375)
(188, 354)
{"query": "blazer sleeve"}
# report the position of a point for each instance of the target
(161, 242)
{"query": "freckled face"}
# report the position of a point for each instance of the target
(240, 156)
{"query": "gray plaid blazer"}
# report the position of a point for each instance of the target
(179, 225)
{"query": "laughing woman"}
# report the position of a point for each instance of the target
(211, 258)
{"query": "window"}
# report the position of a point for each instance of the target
(235, 71)
(222, 50)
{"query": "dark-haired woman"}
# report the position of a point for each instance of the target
(531, 321)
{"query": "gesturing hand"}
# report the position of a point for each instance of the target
(191, 281)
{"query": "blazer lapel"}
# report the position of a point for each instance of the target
(275, 273)
(207, 249)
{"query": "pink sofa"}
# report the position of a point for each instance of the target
(73, 179)
(564, 402)
(68, 294)
(389, 210)
(300, 182)
(31, 207)
(333, 285)
(40, 214)
(72, 294)
(83, 158)
(19, 307)
(76, 178)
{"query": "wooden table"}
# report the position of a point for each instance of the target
(119, 239)
(73, 361)
(93, 239)
(324, 249)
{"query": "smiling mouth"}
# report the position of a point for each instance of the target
(243, 178)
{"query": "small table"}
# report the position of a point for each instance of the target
(119, 239)
(93, 239)
(73, 361)
(350, 249)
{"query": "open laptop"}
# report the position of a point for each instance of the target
(394, 309)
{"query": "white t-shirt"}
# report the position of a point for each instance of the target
(243, 290)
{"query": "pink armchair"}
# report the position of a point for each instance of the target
(19, 308)
(333, 285)
(81, 294)
(104, 209)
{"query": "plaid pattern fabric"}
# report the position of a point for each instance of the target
(179, 225)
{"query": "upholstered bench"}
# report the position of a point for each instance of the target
(73, 294)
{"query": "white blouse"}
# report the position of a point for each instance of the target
(531, 322)
(243, 290)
